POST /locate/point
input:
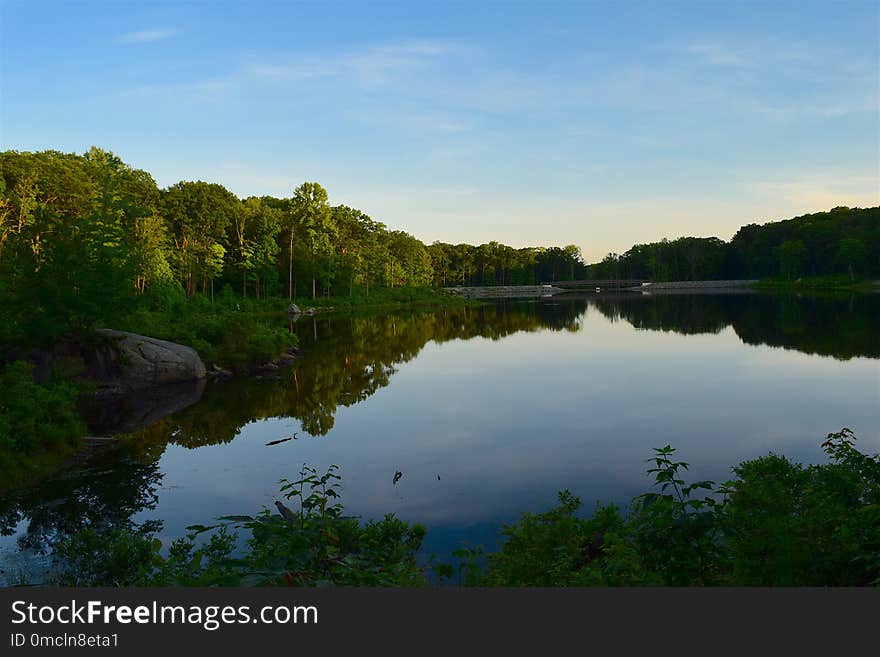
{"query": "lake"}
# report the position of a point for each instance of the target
(487, 411)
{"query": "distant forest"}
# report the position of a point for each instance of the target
(840, 241)
(80, 234)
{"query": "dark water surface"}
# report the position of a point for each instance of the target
(506, 404)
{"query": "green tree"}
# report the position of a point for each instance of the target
(68, 258)
(791, 254)
(309, 207)
(256, 227)
(851, 253)
(199, 215)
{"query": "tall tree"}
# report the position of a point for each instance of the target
(309, 207)
(199, 214)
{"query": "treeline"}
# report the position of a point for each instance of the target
(841, 241)
(81, 237)
(499, 264)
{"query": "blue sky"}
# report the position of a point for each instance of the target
(599, 124)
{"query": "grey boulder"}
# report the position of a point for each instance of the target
(139, 361)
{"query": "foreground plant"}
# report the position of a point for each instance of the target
(776, 523)
(313, 546)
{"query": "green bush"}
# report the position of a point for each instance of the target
(116, 557)
(554, 548)
(34, 416)
(777, 523)
(792, 525)
(313, 546)
(230, 333)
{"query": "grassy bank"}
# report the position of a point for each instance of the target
(836, 282)
(776, 523)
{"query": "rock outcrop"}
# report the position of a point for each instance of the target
(294, 312)
(134, 362)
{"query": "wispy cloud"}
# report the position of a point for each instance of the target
(718, 54)
(147, 36)
(372, 65)
(759, 53)
(207, 90)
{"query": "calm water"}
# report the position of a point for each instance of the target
(506, 404)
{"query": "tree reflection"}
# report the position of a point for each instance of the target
(843, 326)
(348, 359)
(104, 490)
(345, 361)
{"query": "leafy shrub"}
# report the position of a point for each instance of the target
(777, 523)
(792, 525)
(675, 533)
(34, 416)
(554, 548)
(229, 333)
(116, 557)
(310, 547)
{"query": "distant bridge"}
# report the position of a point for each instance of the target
(609, 284)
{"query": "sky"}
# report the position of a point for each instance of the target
(589, 123)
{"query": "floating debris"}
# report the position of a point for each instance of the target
(282, 440)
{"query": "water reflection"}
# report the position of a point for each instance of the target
(840, 325)
(347, 360)
(104, 489)
(505, 403)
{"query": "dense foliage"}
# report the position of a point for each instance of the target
(313, 546)
(83, 237)
(39, 414)
(777, 523)
(499, 264)
(840, 241)
(231, 332)
(34, 417)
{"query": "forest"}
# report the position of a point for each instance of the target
(87, 239)
(841, 241)
(83, 238)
